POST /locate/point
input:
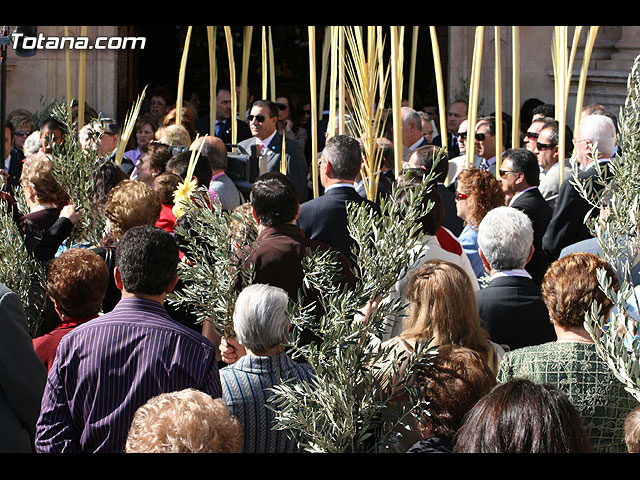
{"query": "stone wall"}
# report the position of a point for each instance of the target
(43, 77)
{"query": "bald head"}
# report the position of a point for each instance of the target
(213, 150)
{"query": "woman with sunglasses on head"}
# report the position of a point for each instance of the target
(478, 192)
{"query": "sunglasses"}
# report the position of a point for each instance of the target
(259, 117)
(22, 133)
(532, 135)
(461, 196)
(462, 136)
(543, 146)
(282, 106)
(504, 173)
(481, 136)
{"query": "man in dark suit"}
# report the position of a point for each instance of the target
(511, 305)
(325, 218)
(567, 226)
(456, 113)
(12, 163)
(426, 158)
(263, 120)
(412, 137)
(279, 248)
(223, 120)
(519, 178)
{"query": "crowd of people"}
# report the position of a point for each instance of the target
(506, 271)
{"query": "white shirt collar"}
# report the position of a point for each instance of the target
(267, 141)
(518, 272)
(336, 185)
(520, 193)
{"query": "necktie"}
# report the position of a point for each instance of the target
(484, 165)
(218, 127)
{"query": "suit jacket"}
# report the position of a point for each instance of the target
(550, 184)
(325, 218)
(22, 377)
(513, 312)
(591, 245)
(451, 220)
(453, 149)
(406, 153)
(14, 171)
(533, 204)
(243, 130)
(567, 226)
(296, 163)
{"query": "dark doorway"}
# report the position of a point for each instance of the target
(159, 63)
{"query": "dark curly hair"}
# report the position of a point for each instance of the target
(484, 190)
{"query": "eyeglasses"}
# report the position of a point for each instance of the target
(259, 117)
(532, 135)
(22, 133)
(462, 135)
(543, 146)
(282, 106)
(461, 196)
(504, 173)
(481, 136)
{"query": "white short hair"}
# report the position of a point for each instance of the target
(601, 130)
(505, 236)
(260, 317)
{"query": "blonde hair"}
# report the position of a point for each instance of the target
(442, 306)
(131, 203)
(37, 172)
(173, 135)
(632, 431)
(186, 421)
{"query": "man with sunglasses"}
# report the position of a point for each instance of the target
(547, 151)
(263, 121)
(519, 178)
(458, 163)
(485, 143)
(531, 136)
(595, 133)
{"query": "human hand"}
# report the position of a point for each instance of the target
(231, 350)
(70, 212)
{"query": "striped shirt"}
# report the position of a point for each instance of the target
(108, 367)
(245, 390)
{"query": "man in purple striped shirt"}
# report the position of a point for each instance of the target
(108, 367)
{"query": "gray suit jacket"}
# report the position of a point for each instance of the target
(296, 162)
(22, 377)
(550, 184)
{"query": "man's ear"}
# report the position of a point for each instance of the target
(117, 277)
(172, 285)
(485, 263)
(255, 215)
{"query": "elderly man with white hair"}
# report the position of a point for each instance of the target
(511, 305)
(260, 322)
(595, 142)
(412, 137)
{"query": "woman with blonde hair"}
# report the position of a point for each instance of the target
(129, 204)
(478, 192)
(442, 311)
(442, 307)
